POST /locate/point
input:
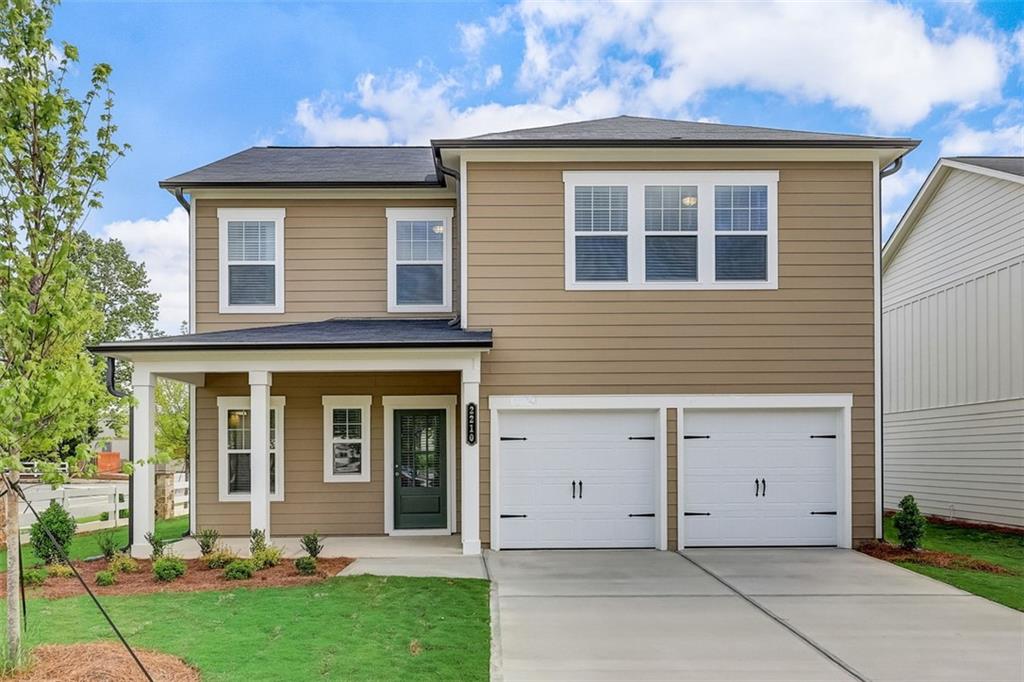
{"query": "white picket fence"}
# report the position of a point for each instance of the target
(84, 499)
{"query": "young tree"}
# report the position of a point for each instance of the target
(50, 167)
(171, 419)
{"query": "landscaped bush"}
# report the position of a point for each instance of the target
(240, 569)
(311, 543)
(909, 523)
(34, 576)
(168, 568)
(257, 541)
(60, 571)
(61, 525)
(107, 542)
(104, 516)
(122, 563)
(158, 544)
(219, 558)
(305, 565)
(267, 557)
(106, 578)
(207, 539)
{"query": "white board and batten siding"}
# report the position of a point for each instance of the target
(953, 354)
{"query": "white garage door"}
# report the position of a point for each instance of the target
(577, 479)
(759, 477)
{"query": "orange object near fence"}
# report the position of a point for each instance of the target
(109, 462)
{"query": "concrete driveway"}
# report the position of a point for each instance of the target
(759, 614)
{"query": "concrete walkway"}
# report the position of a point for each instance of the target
(793, 614)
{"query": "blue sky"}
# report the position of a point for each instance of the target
(198, 81)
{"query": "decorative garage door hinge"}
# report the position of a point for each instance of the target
(832, 436)
(513, 438)
(641, 437)
(828, 513)
(696, 513)
(689, 437)
(513, 516)
(645, 516)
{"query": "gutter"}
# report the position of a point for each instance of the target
(443, 170)
(179, 194)
(114, 391)
(547, 144)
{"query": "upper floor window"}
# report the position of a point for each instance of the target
(419, 260)
(671, 229)
(251, 250)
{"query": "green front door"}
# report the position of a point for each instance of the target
(421, 495)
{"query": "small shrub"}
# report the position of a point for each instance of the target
(207, 539)
(219, 558)
(104, 516)
(311, 543)
(34, 576)
(106, 578)
(305, 565)
(122, 563)
(60, 571)
(910, 523)
(168, 568)
(107, 542)
(239, 569)
(61, 525)
(123, 514)
(267, 557)
(257, 541)
(158, 545)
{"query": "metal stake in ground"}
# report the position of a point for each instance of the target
(15, 488)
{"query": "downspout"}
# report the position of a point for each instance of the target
(179, 194)
(891, 169)
(114, 391)
(442, 171)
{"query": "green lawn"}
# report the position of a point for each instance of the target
(360, 627)
(85, 545)
(1003, 549)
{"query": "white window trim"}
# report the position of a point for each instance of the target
(705, 182)
(393, 216)
(224, 215)
(346, 402)
(448, 403)
(225, 403)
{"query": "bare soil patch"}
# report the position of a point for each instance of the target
(887, 552)
(197, 578)
(102, 662)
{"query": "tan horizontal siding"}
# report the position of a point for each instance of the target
(813, 335)
(335, 260)
(310, 503)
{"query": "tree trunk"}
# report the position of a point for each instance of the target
(13, 574)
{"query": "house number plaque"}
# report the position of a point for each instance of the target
(470, 423)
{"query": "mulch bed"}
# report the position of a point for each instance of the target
(969, 525)
(197, 578)
(102, 662)
(927, 557)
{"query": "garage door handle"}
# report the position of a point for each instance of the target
(764, 488)
(644, 516)
(574, 490)
(757, 487)
(581, 490)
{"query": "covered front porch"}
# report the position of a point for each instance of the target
(354, 429)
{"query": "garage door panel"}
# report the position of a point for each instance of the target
(757, 476)
(618, 477)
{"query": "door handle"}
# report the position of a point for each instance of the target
(764, 488)
(574, 490)
(581, 490)
(757, 488)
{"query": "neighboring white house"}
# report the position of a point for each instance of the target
(953, 344)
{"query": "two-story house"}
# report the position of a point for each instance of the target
(626, 332)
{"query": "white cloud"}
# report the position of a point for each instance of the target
(584, 60)
(493, 75)
(472, 37)
(1000, 141)
(163, 246)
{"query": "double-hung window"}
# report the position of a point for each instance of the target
(671, 230)
(346, 438)
(235, 448)
(419, 260)
(251, 248)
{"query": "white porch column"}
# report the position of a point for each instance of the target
(259, 457)
(470, 525)
(143, 480)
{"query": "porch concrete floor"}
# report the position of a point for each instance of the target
(408, 546)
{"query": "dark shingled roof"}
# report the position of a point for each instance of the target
(336, 333)
(316, 167)
(638, 131)
(1005, 164)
